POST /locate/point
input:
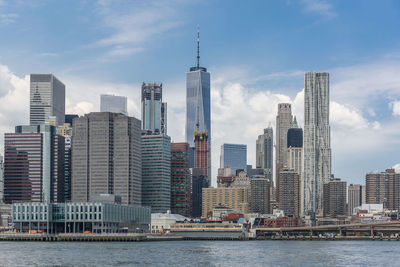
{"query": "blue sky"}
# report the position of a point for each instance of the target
(256, 51)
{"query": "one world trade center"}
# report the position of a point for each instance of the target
(198, 117)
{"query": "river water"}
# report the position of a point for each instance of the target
(202, 253)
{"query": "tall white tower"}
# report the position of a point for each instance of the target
(317, 141)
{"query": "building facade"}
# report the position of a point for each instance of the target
(264, 152)
(156, 172)
(335, 198)
(80, 217)
(283, 123)
(198, 103)
(34, 165)
(317, 144)
(47, 98)
(199, 181)
(114, 103)
(383, 188)
(106, 157)
(181, 180)
(236, 198)
(154, 111)
(289, 192)
(295, 157)
(234, 156)
(201, 153)
(260, 195)
(356, 197)
(225, 177)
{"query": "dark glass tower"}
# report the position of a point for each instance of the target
(295, 136)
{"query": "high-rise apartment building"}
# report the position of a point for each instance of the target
(260, 195)
(114, 103)
(283, 123)
(234, 156)
(356, 197)
(156, 172)
(289, 192)
(47, 98)
(335, 198)
(317, 144)
(383, 188)
(264, 150)
(34, 165)
(201, 153)
(198, 111)
(154, 111)
(236, 198)
(181, 180)
(106, 157)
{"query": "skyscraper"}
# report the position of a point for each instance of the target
(295, 156)
(47, 98)
(106, 157)
(334, 198)
(283, 123)
(289, 192)
(264, 152)
(356, 197)
(113, 103)
(198, 112)
(201, 159)
(181, 180)
(260, 195)
(199, 182)
(383, 188)
(156, 172)
(34, 165)
(154, 111)
(234, 156)
(317, 142)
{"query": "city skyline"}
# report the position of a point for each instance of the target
(358, 120)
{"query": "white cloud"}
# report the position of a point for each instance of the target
(396, 108)
(397, 167)
(9, 18)
(321, 7)
(134, 26)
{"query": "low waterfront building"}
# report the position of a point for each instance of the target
(80, 217)
(161, 222)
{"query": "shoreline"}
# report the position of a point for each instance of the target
(149, 238)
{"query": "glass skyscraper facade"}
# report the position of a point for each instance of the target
(234, 156)
(154, 111)
(156, 172)
(113, 103)
(34, 165)
(47, 99)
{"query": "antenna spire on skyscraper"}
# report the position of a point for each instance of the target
(198, 46)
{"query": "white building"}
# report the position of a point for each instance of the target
(317, 147)
(161, 222)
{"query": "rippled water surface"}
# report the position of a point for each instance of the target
(202, 253)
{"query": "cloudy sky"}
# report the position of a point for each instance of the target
(256, 51)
